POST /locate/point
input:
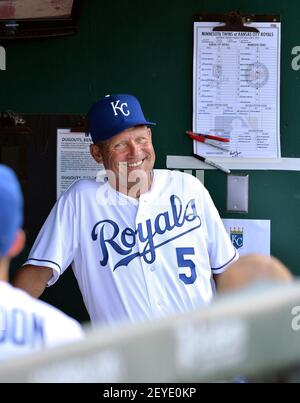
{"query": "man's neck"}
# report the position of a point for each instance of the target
(135, 189)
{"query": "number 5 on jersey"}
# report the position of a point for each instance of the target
(189, 275)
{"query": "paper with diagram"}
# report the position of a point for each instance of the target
(236, 90)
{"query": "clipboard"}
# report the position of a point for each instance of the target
(236, 84)
(234, 21)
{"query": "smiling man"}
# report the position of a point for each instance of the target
(128, 158)
(143, 243)
(127, 155)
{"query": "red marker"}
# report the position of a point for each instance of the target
(208, 136)
(209, 141)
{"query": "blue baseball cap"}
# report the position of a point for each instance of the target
(11, 208)
(113, 114)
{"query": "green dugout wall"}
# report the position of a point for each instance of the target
(146, 48)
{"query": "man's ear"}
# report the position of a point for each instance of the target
(18, 244)
(96, 153)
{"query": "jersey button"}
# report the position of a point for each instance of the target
(152, 268)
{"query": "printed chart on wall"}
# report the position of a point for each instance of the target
(74, 160)
(236, 86)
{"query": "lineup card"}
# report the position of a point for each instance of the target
(236, 85)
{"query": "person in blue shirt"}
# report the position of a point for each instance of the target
(26, 324)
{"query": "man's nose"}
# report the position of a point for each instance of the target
(133, 148)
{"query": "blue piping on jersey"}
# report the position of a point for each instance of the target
(43, 260)
(221, 267)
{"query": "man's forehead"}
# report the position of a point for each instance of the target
(131, 132)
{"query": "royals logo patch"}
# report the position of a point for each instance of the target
(237, 237)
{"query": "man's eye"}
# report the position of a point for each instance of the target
(118, 146)
(142, 140)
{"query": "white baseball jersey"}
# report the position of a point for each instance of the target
(136, 259)
(27, 324)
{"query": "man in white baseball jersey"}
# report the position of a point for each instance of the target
(143, 244)
(26, 324)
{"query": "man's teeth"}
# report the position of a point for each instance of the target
(135, 164)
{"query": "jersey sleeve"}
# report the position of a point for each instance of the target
(221, 251)
(57, 241)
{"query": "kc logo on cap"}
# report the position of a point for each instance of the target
(120, 108)
(113, 114)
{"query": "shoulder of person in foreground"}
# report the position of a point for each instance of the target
(250, 268)
(32, 325)
(60, 328)
(57, 327)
